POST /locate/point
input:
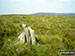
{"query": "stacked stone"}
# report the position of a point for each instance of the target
(29, 36)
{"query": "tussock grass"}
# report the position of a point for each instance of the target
(55, 33)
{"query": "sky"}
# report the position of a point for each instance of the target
(35, 6)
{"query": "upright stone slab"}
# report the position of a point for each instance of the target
(32, 36)
(27, 38)
(22, 37)
(27, 35)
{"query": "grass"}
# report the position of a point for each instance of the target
(55, 33)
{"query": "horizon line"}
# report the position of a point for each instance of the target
(35, 13)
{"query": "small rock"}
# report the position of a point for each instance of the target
(16, 49)
(9, 40)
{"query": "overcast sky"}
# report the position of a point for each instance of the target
(34, 6)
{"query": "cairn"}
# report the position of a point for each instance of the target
(29, 36)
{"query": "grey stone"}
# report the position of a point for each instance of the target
(21, 37)
(32, 36)
(28, 36)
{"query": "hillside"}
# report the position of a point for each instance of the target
(56, 14)
(55, 33)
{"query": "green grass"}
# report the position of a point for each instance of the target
(55, 33)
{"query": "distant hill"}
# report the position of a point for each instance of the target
(57, 14)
